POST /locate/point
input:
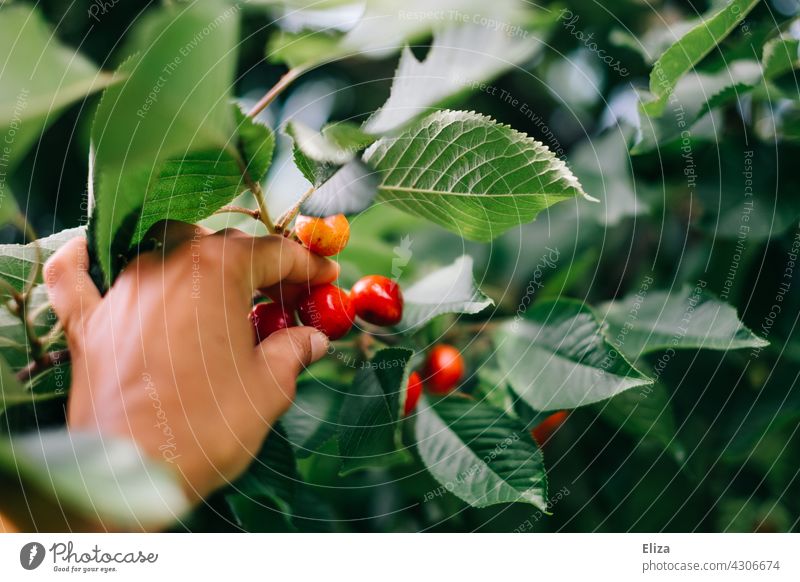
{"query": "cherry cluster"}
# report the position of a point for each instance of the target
(332, 310)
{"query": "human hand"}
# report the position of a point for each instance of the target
(166, 357)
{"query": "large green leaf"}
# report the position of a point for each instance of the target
(684, 54)
(313, 418)
(92, 477)
(39, 77)
(460, 59)
(175, 101)
(479, 453)
(18, 263)
(192, 188)
(369, 432)
(690, 318)
(469, 174)
(555, 357)
(451, 289)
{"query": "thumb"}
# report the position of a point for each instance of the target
(287, 352)
(71, 290)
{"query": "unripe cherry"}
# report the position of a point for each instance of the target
(267, 318)
(327, 308)
(413, 392)
(444, 369)
(378, 300)
(323, 236)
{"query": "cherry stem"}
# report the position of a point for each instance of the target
(289, 215)
(45, 362)
(256, 214)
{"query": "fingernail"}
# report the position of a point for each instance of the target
(319, 345)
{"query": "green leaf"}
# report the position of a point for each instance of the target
(451, 289)
(313, 418)
(11, 390)
(781, 55)
(469, 174)
(479, 453)
(13, 340)
(175, 102)
(369, 433)
(451, 66)
(319, 155)
(691, 318)
(40, 76)
(91, 476)
(18, 263)
(679, 58)
(9, 210)
(193, 188)
(273, 473)
(555, 357)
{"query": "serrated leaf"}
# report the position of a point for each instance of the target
(40, 76)
(480, 454)
(313, 418)
(451, 289)
(193, 188)
(556, 358)
(369, 419)
(459, 59)
(469, 174)
(319, 155)
(685, 319)
(780, 56)
(174, 102)
(19, 262)
(91, 476)
(684, 54)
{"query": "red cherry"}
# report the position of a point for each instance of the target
(323, 236)
(413, 393)
(545, 429)
(267, 318)
(444, 368)
(329, 309)
(378, 300)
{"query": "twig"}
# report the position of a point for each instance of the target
(273, 93)
(47, 361)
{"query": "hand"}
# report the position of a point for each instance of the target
(167, 356)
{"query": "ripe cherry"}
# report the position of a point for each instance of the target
(545, 429)
(413, 392)
(378, 300)
(267, 318)
(444, 368)
(329, 309)
(323, 236)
